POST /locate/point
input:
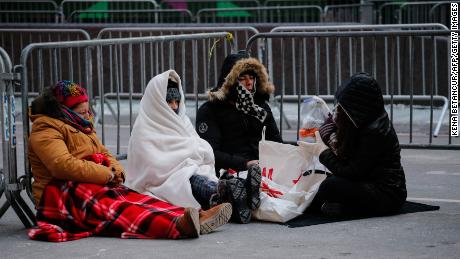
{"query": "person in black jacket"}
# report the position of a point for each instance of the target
(232, 121)
(362, 152)
(236, 112)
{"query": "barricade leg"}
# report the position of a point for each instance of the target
(20, 207)
(24, 207)
(11, 200)
(2, 184)
(4, 208)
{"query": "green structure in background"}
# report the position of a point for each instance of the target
(101, 6)
(223, 5)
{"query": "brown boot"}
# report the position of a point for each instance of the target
(189, 223)
(214, 217)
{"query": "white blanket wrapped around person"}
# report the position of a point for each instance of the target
(291, 176)
(164, 150)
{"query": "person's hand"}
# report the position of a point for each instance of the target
(251, 162)
(119, 177)
(117, 180)
(314, 148)
(327, 129)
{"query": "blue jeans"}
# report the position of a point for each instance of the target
(202, 189)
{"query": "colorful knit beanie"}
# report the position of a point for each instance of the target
(69, 93)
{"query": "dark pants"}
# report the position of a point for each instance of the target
(202, 189)
(358, 198)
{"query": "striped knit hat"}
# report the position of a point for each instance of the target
(69, 93)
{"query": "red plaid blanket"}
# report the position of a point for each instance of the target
(70, 210)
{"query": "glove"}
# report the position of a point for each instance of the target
(314, 148)
(119, 177)
(327, 129)
(98, 158)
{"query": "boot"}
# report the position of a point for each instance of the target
(188, 224)
(236, 192)
(252, 185)
(214, 217)
(225, 174)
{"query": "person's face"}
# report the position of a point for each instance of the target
(174, 104)
(83, 110)
(247, 81)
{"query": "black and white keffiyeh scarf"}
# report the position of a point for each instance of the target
(245, 103)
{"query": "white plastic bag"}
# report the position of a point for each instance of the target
(290, 179)
(313, 113)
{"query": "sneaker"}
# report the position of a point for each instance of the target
(214, 217)
(252, 185)
(188, 224)
(333, 210)
(238, 197)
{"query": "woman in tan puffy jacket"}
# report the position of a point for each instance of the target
(78, 187)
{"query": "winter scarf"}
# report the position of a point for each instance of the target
(77, 121)
(245, 103)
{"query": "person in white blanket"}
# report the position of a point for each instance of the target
(167, 159)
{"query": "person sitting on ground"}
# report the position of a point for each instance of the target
(77, 186)
(167, 158)
(362, 151)
(232, 121)
(236, 112)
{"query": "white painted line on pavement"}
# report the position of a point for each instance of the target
(441, 173)
(433, 199)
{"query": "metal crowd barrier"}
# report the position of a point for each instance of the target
(440, 13)
(306, 2)
(274, 14)
(103, 67)
(29, 16)
(353, 51)
(10, 184)
(346, 12)
(14, 40)
(415, 12)
(69, 6)
(240, 36)
(131, 16)
(29, 11)
(307, 61)
(195, 5)
(357, 49)
(28, 5)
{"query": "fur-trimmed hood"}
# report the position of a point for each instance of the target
(263, 87)
(46, 104)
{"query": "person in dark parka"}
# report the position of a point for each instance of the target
(362, 152)
(237, 110)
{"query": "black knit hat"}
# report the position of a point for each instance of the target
(227, 66)
(172, 91)
(361, 98)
